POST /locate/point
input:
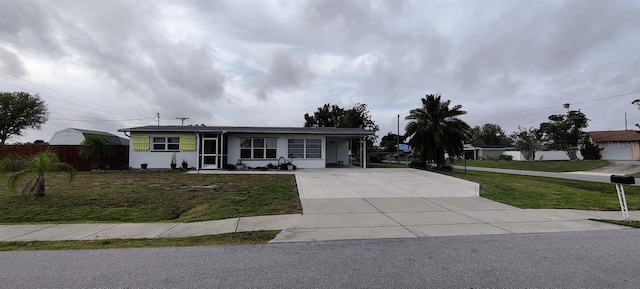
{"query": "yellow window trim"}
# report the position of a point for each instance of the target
(140, 142)
(188, 143)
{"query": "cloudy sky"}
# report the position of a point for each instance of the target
(106, 65)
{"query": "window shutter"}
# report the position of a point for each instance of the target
(188, 143)
(140, 142)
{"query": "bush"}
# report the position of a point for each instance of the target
(374, 159)
(506, 157)
(418, 164)
(591, 151)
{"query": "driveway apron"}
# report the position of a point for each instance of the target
(355, 203)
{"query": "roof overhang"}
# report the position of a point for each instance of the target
(327, 131)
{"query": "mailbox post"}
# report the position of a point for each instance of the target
(619, 181)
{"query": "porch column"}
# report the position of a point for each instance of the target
(360, 150)
(364, 155)
(220, 166)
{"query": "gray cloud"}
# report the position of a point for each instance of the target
(285, 72)
(10, 62)
(26, 26)
(121, 39)
(208, 60)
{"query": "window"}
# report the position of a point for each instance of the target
(305, 148)
(166, 143)
(258, 148)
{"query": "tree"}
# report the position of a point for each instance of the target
(565, 132)
(636, 102)
(435, 129)
(96, 149)
(45, 161)
(490, 134)
(590, 151)
(334, 116)
(390, 142)
(528, 141)
(20, 111)
(331, 115)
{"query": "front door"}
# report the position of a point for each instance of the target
(209, 153)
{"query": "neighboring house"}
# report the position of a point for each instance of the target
(617, 144)
(482, 152)
(75, 136)
(213, 147)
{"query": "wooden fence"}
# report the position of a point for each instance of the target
(69, 154)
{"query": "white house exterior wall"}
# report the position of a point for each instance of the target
(160, 160)
(337, 151)
(233, 150)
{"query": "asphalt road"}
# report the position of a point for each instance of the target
(597, 259)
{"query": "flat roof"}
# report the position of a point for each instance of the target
(256, 130)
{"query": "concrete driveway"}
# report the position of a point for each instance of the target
(354, 203)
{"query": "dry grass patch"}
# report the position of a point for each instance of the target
(241, 238)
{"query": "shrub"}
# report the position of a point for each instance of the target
(506, 157)
(591, 151)
(418, 164)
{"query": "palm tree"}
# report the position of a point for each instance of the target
(46, 161)
(97, 149)
(435, 130)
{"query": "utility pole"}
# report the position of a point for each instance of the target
(158, 116)
(398, 142)
(182, 119)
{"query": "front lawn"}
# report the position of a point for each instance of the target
(543, 166)
(151, 196)
(549, 193)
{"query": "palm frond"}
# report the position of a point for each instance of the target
(45, 161)
(15, 177)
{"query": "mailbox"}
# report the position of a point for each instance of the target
(627, 180)
(619, 181)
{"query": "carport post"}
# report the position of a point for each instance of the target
(619, 180)
(364, 154)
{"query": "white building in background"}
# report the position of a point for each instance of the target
(75, 136)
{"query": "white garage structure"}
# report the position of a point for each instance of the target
(618, 145)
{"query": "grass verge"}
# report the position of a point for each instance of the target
(241, 238)
(151, 196)
(632, 224)
(530, 192)
(543, 166)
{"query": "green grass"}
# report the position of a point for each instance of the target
(632, 224)
(549, 193)
(151, 196)
(544, 166)
(242, 238)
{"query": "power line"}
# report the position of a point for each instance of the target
(101, 120)
(63, 93)
(86, 117)
(555, 106)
